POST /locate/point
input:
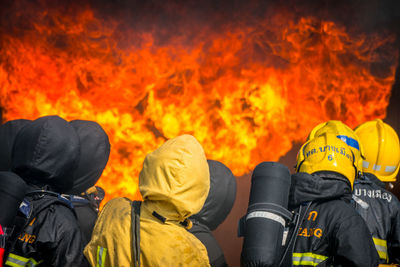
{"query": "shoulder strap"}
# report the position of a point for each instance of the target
(135, 216)
(286, 258)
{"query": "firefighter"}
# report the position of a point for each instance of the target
(94, 154)
(379, 207)
(174, 183)
(218, 204)
(8, 132)
(330, 230)
(44, 155)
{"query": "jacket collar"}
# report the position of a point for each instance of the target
(317, 187)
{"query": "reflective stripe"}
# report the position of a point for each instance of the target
(266, 215)
(16, 261)
(390, 168)
(308, 258)
(381, 247)
(101, 256)
(365, 164)
(376, 167)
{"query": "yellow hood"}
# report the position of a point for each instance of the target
(175, 178)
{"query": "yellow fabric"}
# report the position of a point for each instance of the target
(381, 247)
(326, 152)
(174, 182)
(340, 129)
(382, 149)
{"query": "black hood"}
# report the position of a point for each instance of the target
(94, 153)
(320, 186)
(371, 178)
(12, 192)
(8, 132)
(45, 152)
(220, 198)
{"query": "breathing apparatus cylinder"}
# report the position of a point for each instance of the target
(266, 217)
(12, 192)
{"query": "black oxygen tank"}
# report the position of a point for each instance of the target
(267, 214)
(12, 192)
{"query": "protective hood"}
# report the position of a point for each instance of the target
(371, 178)
(94, 153)
(175, 179)
(8, 132)
(45, 152)
(220, 198)
(319, 186)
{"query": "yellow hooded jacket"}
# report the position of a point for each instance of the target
(174, 182)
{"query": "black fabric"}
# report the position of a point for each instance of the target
(12, 192)
(214, 251)
(135, 222)
(217, 206)
(293, 229)
(311, 187)
(87, 217)
(381, 211)
(51, 233)
(8, 132)
(45, 152)
(221, 196)
(94, 154)
(332, 227)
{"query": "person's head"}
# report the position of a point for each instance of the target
(327, 153)
(46, 152)
(175, 177)
(8, 132)
(381, 149)
(94, 154)
(221, 196)
(346, 134)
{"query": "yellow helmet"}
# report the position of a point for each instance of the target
(346, 134)
(381, 148)
(326, 152)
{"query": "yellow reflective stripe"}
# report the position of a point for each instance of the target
(101, 256)
(381, 247)
(308, 258)
(16, 261)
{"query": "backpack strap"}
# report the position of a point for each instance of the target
(286, 258)
(135, 216)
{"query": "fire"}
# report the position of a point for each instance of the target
(246, 93)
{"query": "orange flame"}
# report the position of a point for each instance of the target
(246, 93)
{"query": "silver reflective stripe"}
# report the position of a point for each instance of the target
(390, 168)
(266, 215)
(376, 167)
(365, 164)
(308, 258)
(361, 202)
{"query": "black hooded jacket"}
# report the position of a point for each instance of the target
(94, 153)
(8, 132)
(216, 208)
(381, 211)
(44, 154)
(332, 231)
